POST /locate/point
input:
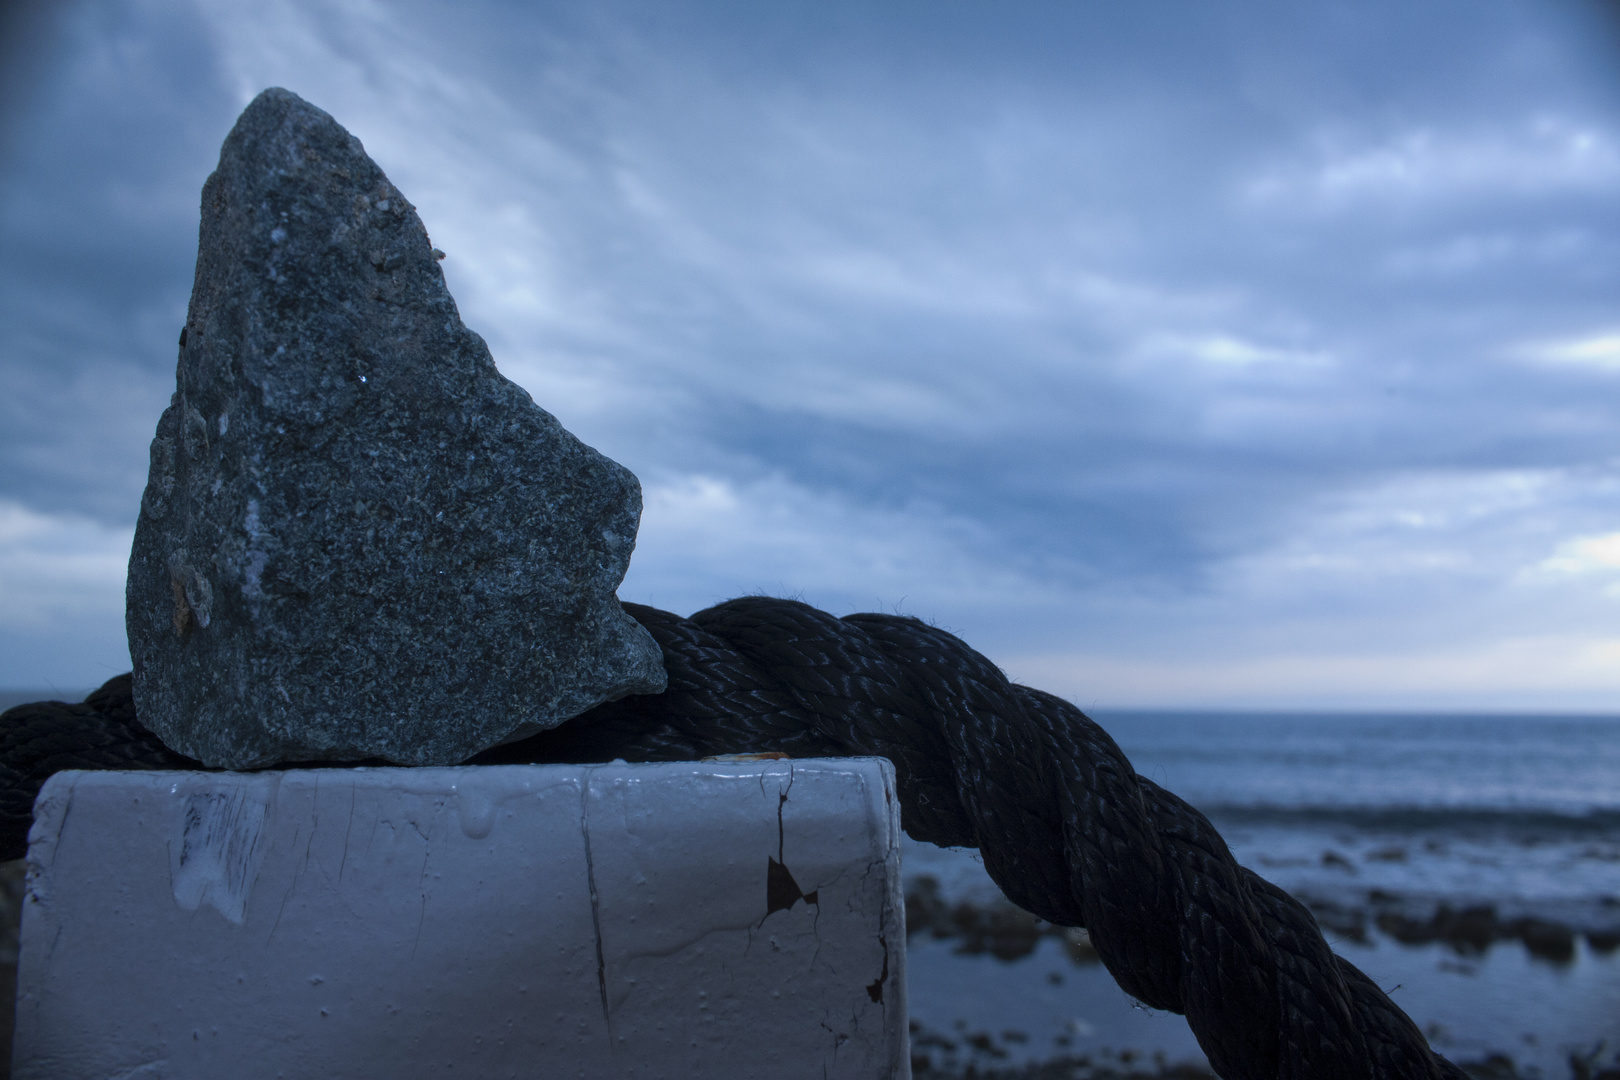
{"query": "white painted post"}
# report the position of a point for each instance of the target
(690, 919)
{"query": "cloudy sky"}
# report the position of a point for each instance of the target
(1197, 354)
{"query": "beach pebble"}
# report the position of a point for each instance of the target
(358, 540)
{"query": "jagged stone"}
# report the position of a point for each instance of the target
(357, 538)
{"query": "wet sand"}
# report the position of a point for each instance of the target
(996, 992)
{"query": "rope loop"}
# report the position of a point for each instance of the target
(1064, 825)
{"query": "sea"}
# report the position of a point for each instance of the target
(1468, 864)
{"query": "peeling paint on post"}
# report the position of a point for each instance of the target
(694, 919)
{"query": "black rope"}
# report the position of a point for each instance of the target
(1065, 826)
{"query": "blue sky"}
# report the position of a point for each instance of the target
(1216, 354)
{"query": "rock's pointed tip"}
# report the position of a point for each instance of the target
(280, 135)
(275, 99)
(278, 114)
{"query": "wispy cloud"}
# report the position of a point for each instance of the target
(1228, 351)
(1586, 555)
(1512, 674)
(1599, 351)
(62, 579)
(1547, 155)
(55, 564)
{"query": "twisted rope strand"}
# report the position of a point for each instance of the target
(1064, 825)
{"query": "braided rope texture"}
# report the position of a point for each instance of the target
(1064, 825)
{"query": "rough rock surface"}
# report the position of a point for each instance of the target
(357, 538)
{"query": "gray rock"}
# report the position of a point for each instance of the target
(357, 538)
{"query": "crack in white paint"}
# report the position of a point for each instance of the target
(596, 901)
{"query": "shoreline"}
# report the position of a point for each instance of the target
(1549, 930)
(999, 994)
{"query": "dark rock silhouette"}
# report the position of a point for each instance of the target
(358, 540)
